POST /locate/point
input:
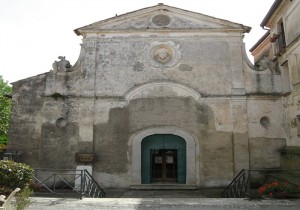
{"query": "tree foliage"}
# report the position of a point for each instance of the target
(5, 107)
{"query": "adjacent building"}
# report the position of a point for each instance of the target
(280, 48)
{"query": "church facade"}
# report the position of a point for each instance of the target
(158, 95)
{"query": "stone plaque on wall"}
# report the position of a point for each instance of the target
(85, 157)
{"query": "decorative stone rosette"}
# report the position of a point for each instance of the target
(164, 54)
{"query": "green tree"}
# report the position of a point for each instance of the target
(5, 107)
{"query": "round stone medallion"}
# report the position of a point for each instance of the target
(161, 20)
(162, 55)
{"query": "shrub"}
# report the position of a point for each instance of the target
(2, 146)
(22, 198)
(278, 188)
(14, 175)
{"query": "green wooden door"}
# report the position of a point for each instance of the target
(163, 142)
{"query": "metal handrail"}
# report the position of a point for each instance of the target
(247, 182)
(93, 189)
(238, 186)
(68, 182)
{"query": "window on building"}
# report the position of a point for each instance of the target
(285, 78)
(281, 38)
(298, 125)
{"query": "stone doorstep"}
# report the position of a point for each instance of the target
(163, 187)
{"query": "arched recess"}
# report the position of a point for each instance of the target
(136, 152)
(161, 89)
(163, 159)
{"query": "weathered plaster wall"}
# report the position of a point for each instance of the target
(262, 82)
(26, 118)
(240, 134)
(292, 120)
(266, 131)
(60, 133)
(290, 158)
(124, 84)
(291, 22)
(291, 101)
(117, 71)
(111, 138)
(265, 117)
(112, 66)
(265, 153)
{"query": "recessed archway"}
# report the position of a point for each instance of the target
(163, 159)
(136, 152)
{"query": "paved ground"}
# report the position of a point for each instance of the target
(162, 204)
(162, 200)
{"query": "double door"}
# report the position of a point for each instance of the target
(164, 165)
(163, 159)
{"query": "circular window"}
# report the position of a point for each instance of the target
(61, 122)
(161, 20)
(265, 122)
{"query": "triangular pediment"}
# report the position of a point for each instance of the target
(160, 17)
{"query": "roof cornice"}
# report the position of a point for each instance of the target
(260, 41)
(270, 12)
(162, 7)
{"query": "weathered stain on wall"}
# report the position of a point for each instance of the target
(25, 130)
(127, 80)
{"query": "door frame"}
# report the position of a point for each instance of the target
(192, 148)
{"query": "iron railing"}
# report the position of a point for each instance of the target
(66, 183)
(238, 187)
(90, 187)
(247, 182)
(12, 155)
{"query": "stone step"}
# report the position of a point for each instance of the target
(163, 187)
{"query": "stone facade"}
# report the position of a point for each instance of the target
(280, 49)
(156, 71)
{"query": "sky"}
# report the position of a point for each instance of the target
(33, 33)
